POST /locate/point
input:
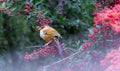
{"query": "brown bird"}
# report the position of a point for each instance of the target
(49, 34)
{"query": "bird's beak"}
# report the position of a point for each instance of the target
(38, 28)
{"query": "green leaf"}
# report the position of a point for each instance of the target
(61, 18)
(3, 4)
(13, 9)
(90, 30)
(31, 0)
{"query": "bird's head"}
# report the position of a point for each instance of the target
(38, 28)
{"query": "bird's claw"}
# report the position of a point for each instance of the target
(47, 43)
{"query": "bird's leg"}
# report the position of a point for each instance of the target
(46, 44)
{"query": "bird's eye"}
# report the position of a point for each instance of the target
(45, 33)
(56, 37)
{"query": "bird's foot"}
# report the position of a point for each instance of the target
(46, 44)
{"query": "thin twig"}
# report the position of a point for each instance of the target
(37, 46)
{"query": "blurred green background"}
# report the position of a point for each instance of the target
(17, 30)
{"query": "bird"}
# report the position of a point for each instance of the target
(49, 35)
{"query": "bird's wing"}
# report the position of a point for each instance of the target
(52, 32)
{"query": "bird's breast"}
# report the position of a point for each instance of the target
(41, 34)
(45, 37)
(49, 33)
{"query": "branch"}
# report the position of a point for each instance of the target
(44, 68)
(37, 46)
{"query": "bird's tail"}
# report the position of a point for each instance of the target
(59, 47)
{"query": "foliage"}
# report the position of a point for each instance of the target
(19, 18)
(64, 22)
(17, 30)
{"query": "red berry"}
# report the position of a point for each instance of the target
(26, 11)
(18, 13)
(95, 30)
(90, 35)
(41, 12)
(40, 19)
(9, 13)
(14, 0)
(5, 0)
(28, 5)
(3, 9)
